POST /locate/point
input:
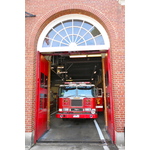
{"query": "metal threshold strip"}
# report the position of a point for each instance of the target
(100, 142)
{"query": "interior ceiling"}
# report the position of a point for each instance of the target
(75, 69)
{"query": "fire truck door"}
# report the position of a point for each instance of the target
(42, 96)
(108, 94)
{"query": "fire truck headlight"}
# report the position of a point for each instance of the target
(65, 109)
(60, 109)
(87, 109)
(93, 111)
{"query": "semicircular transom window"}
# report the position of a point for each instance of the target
(72, 33)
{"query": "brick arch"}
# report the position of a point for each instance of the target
(40, 24)
(64, 10)
(71, 9)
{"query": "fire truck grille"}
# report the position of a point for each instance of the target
(76, 102)
(76, 109)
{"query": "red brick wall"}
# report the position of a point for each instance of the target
(109, 13)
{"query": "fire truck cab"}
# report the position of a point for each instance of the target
(77, 100)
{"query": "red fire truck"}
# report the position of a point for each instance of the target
(77, 100)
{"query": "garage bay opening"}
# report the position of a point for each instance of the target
(75, 47)
(76, 97)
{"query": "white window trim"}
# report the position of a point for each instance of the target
(75, 48)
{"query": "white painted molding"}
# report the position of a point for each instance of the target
(121, 2)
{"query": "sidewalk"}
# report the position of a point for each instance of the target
(77, 146)
(121, 147)
(72, 146)
(74, 131)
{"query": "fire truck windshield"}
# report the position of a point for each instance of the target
(86, 91)
(67, 91)
(79, 91)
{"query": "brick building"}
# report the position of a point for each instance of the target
(108, 17)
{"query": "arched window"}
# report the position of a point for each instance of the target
(73, 32)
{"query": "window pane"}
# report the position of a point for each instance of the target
(69, 30)
(82, 44)
(62, 33)
(46, 43)
(51, 34)
(87, 36)
(58, 27)
(99, 40)
(82, 32)
(42, 85)
(70, 36)
(78, 39)
(77, 23)
(44, 79)
(66, 38)
(58, 38)
(87, 26)
(55, 44)
(67, 23)
(63, 44)
(74, 38)
(95, 32)
(90, 42)
(43, 101)
(76, 30)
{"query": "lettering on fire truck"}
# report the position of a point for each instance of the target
(77, 100)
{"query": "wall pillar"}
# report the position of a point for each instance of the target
(120, 138)
(29, 139)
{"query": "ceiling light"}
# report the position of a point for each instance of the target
(69, 80)
(81, 56)
(77, 56)
(61, 72)
(94, 55)
(60, 67)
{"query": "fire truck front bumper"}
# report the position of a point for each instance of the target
(67, 115)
